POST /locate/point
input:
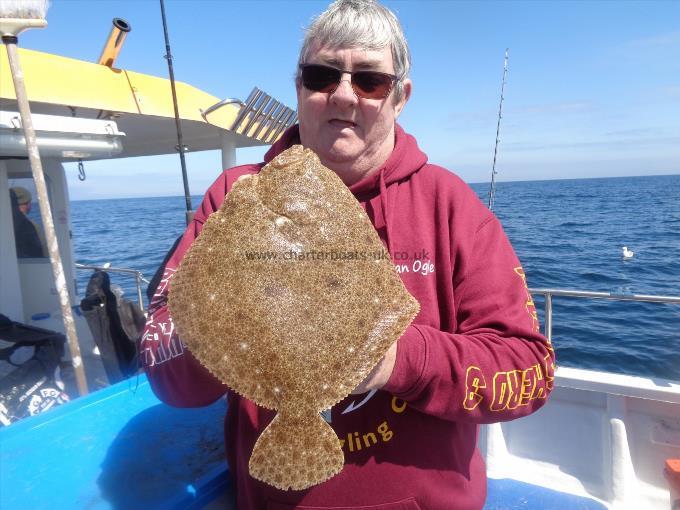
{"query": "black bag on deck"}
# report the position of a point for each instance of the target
(116, 325)
(32, 386)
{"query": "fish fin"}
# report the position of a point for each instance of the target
(296, 452)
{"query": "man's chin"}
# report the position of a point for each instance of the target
(342, 152)
(334, 159)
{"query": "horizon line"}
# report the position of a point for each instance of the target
(136, 197)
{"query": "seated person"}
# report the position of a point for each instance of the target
(28, 236)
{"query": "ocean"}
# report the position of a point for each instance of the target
(568, 234)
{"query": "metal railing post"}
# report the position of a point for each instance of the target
(139, 290)
(548, 316)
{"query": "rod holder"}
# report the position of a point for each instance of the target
(263, 113)
(114, 43)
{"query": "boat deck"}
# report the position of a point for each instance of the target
(122, 448)
(117, 448)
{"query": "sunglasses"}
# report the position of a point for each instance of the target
(366, 84)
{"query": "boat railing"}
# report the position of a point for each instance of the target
(139, 277)
(548, 294)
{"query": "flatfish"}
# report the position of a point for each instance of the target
(289, 297)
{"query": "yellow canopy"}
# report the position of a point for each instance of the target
(140, 104)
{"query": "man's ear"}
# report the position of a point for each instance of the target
(407, 88)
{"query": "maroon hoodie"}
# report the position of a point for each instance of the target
(473, 354)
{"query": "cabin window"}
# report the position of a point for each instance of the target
(29, 234)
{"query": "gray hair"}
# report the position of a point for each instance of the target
(361, 24)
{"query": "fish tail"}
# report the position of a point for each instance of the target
(296, 452)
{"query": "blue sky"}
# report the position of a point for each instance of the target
(593, 87)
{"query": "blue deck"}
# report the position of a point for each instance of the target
(122, 449)
(505, 494)
(118, 448)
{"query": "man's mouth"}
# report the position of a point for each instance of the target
(341, 123)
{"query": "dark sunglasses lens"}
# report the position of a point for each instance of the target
(371, 85)
(320, 78)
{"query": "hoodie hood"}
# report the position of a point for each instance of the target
(406, 159)
(290, 137)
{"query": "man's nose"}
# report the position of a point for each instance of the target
(344, 94)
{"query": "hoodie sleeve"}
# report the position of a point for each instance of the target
(175, 375)
(496, 366)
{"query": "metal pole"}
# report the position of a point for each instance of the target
(139, 291)
(548, 316)
(607, 295)
(492, 190)
(228, 151)
(180, 144)
(46, 213)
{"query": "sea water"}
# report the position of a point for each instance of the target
(568, 234)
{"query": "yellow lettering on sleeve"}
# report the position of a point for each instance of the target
(474, 383)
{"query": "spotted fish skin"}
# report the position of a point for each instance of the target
(286, 297)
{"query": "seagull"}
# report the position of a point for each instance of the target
(627, 254)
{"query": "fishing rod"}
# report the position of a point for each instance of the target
(180, 144)
(492, 190)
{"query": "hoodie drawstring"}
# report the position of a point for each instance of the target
(383, 205)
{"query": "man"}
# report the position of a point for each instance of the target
(29, 237)
(473, 355)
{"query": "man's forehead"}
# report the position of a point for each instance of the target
(360, 58)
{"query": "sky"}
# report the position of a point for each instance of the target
(593, 88)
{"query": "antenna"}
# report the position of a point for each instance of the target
(492, 190)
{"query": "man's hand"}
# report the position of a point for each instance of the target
(380, 374)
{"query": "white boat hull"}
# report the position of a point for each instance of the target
(601, 436)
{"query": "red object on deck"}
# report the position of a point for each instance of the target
(672, 473)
